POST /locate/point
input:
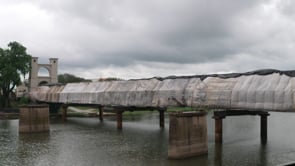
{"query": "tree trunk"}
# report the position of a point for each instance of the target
(5, 101)
(1, 101)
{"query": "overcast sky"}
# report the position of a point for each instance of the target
(146, 38)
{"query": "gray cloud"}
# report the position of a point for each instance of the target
(110, 35)
(180, 32)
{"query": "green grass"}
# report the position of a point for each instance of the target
(78, 114)
(86, 108)
(179, 109)
(126, 113)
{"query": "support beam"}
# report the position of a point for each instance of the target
(100, 113)
(219, 115)
(218, 130)
(263, 129)
(119, 119)
(162, 117)
(237, 112)
(64, 112)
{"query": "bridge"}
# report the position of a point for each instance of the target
(269, 90)
(250, 93)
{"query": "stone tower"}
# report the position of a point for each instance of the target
(36, 80)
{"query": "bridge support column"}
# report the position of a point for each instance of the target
(64, 112)
(34, 118)
(100, 113)
(162, 117)
(119, 119)
(263, 128)
(218, 130)
(187, 135)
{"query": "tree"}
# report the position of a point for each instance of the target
(109, 79)
(14, 63)
(69, 78)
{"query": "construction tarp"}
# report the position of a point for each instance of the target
(271, 90)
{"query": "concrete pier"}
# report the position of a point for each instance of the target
(218, 130)
(34, 118)
(263, 128)
(187, 135)
(100, 109)
(64, 112)
(119, 119)
(162, 117)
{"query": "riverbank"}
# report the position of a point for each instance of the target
(4, 115)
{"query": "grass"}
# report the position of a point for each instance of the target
(85, 108)
(78, 114)
(179, 109)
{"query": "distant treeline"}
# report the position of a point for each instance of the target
(70, 78)
(110, 79)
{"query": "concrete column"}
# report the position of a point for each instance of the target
(53, 70)
(119, 119)
(34, 73)
(64, 113)
(162, 117)
(187, 135)
(100, 113)
(34, 118)
(218, 130)
(263, 128)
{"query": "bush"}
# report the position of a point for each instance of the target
(24, 100)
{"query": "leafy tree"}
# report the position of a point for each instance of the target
(14, 63)
(69, 78)
(110, 79)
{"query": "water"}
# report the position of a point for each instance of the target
(88, 142)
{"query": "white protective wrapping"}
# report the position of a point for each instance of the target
(73, 93)
(130, 93)
(39, 93)
(272, 92)
(54, 93)
(170, 92)
(214, 92)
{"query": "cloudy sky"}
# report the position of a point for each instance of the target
(146, 38)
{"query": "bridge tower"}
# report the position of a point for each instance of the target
(36, 80)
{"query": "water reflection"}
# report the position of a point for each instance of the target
(87, 141)
(218, 154)
(32, 146)
(263, 155)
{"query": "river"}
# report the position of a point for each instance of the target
(89, 142)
